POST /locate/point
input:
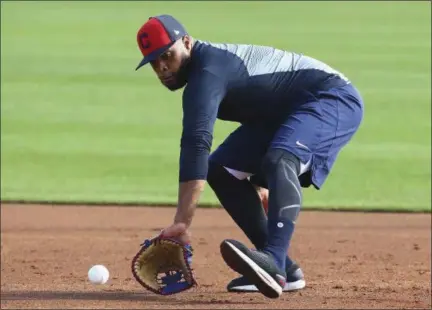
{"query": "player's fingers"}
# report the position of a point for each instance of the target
(264, 200)
(178, 231)
(184, 238)
(263, 194)
(174, 230)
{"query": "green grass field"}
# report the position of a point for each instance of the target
(79, 124)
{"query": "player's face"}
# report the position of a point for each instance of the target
(170, 67)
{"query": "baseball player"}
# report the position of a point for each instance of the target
(295, 114)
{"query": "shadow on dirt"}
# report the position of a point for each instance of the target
(114, 296)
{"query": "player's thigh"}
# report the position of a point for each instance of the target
(316, 132)
(242, 151)
(300, 134)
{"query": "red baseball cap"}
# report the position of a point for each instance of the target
(157, 35)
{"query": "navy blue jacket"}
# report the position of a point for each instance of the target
(245, 84)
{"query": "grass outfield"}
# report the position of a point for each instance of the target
(79, 124)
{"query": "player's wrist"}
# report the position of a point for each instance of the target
(182, 219)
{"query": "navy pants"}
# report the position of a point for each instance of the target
(315, 132)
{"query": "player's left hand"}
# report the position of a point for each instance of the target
(177, 231)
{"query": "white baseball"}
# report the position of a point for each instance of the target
(98, 274)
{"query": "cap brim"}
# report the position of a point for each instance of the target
(154, 55)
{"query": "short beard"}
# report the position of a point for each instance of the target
(180, 78)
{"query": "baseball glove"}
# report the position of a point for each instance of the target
(163, 266)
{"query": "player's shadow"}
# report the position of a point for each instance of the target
(114, 296)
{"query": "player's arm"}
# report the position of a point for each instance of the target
(189, 194)
(201, 100)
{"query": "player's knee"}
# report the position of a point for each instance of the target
(277, 159)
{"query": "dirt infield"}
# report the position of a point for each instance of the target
(351, 260)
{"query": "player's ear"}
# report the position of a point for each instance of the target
(187, 41)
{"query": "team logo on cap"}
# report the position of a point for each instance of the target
(144, 39)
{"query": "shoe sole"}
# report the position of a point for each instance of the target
(242, 264)
(289, 287)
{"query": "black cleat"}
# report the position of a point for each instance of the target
(294, 281)
(259, 268)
